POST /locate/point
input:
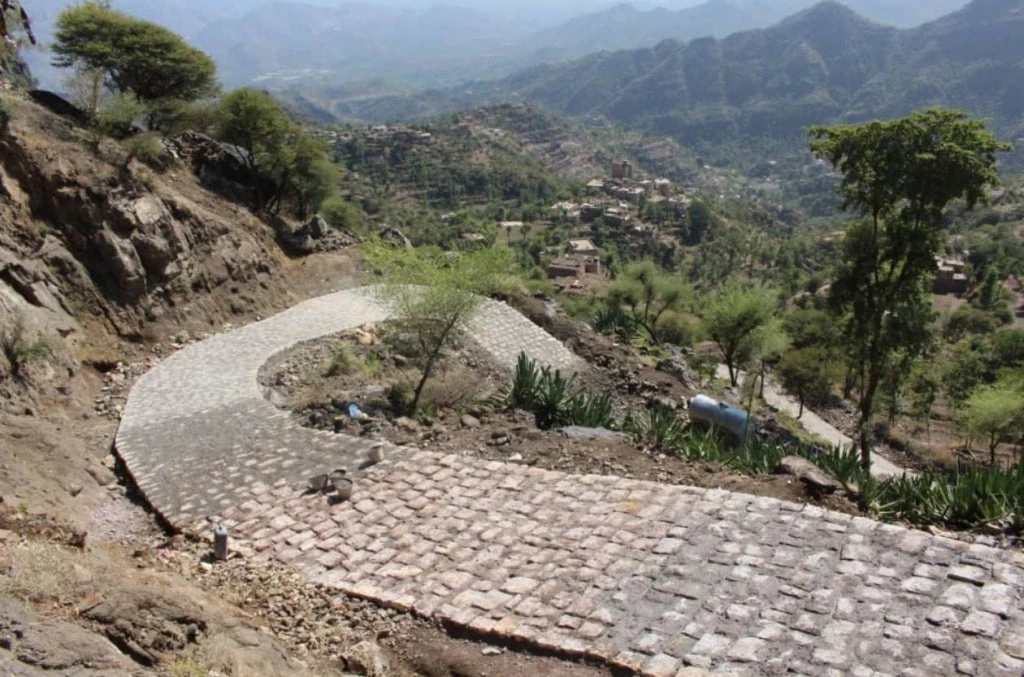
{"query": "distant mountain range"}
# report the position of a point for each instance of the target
(277, 43)
(624, 26)
(763, 87)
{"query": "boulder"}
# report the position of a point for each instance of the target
(148, 624)
(367, 658)
(54, 646)
(816, 480)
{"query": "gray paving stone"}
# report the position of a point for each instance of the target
(662, 580)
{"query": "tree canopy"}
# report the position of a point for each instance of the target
(898, 176)
(808, 374)
(647, 292)
(434, 294)
(735, 319)
(995, 411)
(136, 56)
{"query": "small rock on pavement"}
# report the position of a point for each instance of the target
(808, 473)
(470, 421)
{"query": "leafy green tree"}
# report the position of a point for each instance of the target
(646, 293)
(433, 295)
(811, 327)
(995, 411)
(992, 296)
(968, 365)
(136, 56)
(343, 214)
(700, 222)
(968, 320)
(769, 344)
(894, 383)
(808, 374)
(1008, 349)
(308, 176)
(734, 319)
(899, 176)
(255, 122)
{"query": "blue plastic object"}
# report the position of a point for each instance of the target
(353, 411)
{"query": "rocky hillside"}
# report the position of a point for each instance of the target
(85, 237)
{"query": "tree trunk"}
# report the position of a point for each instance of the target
(427, 369)
(865, 450)
(800, 413)
(867, 399)
(992, 444)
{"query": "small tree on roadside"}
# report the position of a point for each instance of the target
(734, 318)
(433, 295)
(994, 412)
(646, 293)
(808, 374)
(768, 345)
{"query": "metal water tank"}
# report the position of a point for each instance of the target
(722, 415)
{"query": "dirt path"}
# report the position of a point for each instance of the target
(816, 425)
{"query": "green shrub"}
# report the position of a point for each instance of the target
(147, 148)
(19, 350)
(341, 363)
(399, 397)
(658, 427)
(340, 213)
(613, 319)
(677, 329)
(591, 411)
(553, 401)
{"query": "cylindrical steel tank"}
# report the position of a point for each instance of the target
(710, 410)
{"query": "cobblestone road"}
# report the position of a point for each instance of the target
(658, 579)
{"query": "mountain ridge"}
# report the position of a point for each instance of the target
(821, 66)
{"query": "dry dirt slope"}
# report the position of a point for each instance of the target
(95, 258)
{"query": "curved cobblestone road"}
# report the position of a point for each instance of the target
(664, 580)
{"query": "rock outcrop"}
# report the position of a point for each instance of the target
(82, 233)
(315, 236)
